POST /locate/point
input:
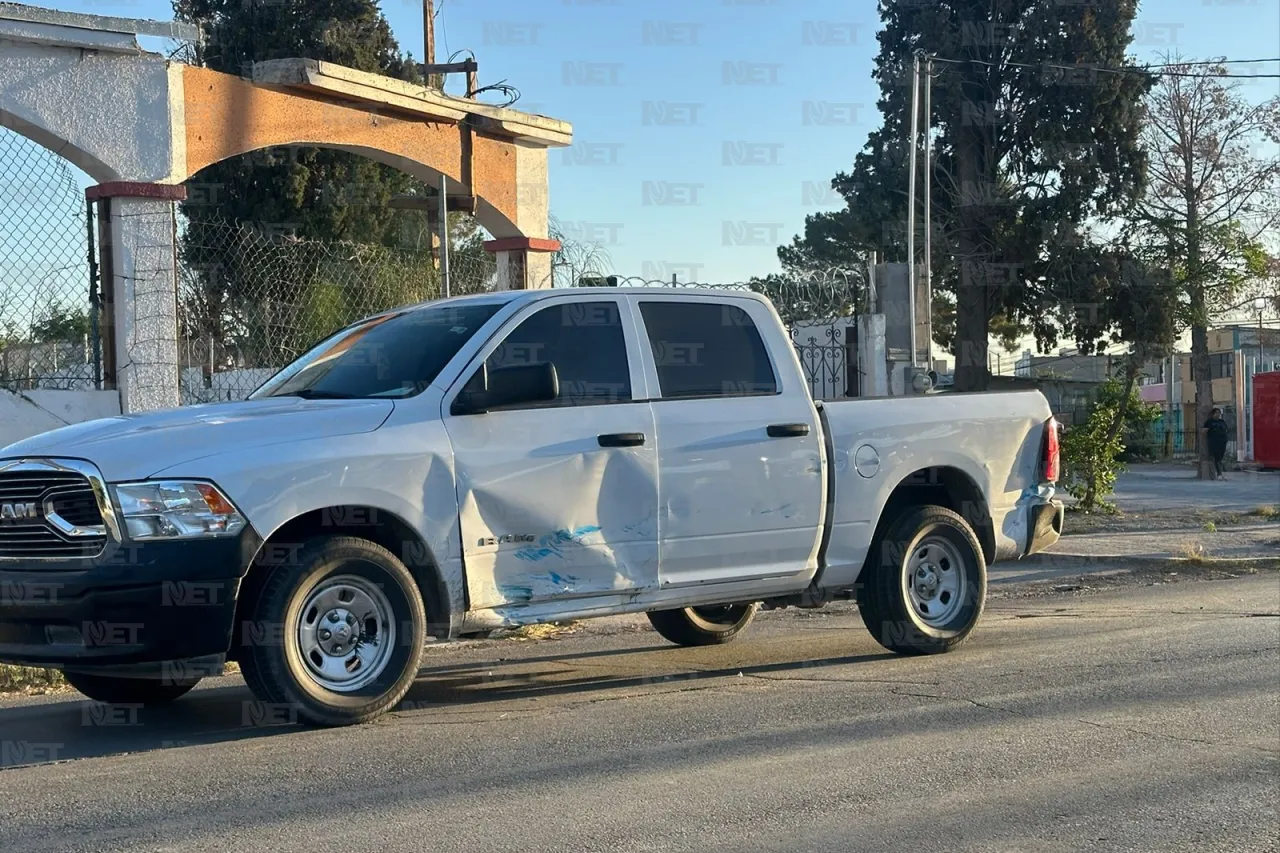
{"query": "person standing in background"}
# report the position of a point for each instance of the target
(1215, 430)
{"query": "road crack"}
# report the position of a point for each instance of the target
(1160, 735)
(1081, 720)
(816, 680)
(973, 702)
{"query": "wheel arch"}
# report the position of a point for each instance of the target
(374, 524)
(946, 486)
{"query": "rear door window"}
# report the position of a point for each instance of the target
(707, 349)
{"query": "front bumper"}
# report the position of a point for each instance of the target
(1045, 526)
(136, 604)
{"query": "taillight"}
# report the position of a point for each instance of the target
(1051, 461)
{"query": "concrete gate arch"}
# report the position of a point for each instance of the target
(140, 125)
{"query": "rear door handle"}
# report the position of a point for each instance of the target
(788, 430)
(621, 439)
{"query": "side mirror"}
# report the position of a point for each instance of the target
(508, 386)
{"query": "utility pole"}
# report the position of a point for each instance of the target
(429, 30)
(911, 206)
(928, 213)
(429, 42)
(444, 233)
(1261, 304)
(429, 66)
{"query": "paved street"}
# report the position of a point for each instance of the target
(1136, 718)
(1147, 487)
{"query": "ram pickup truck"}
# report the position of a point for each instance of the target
(443, 470)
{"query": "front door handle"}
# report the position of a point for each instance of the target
(621, 439)
(788, 430)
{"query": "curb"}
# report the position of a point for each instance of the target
(1135, 563)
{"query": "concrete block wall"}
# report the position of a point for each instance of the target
(27, 413)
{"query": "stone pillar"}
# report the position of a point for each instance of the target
(140, 288)
(524, 263)
(523, 249)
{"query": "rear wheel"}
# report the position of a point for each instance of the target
(353, 628)
(129, 691)
(703, 626)
(925, 582)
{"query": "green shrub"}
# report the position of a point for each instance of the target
(1092, 452)
(1090, 459)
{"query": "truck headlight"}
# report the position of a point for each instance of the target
(176, 509)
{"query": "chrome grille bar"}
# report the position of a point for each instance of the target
(34, 496)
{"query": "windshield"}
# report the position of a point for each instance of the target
(395, 355)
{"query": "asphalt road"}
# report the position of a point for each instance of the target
(1141, 718)
(1147, 487)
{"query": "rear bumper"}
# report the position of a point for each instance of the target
(1045, 525)
(137, 605)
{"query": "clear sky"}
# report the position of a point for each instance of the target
(707, 129)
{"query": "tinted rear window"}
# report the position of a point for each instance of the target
(706, 349)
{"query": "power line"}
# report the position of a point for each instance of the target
(1137, 69)
(444, 26)
(1213, 62)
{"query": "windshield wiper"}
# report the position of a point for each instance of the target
(312, 394)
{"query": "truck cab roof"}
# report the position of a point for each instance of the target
(506, 296)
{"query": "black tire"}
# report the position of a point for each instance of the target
(288, 677)
(147, 692)
(703, 626)
(898, 618)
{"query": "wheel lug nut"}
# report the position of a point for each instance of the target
(333, 617)
(324, 634)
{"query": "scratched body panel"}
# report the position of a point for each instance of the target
(403, 469)
(546, 511)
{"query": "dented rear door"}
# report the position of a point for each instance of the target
(549, 508)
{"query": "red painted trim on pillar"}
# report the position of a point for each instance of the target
(528, 244)
(130, 189)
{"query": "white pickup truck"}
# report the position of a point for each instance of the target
(442, 470)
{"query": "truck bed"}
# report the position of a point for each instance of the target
(875, 446)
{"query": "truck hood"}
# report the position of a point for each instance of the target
(133, 447)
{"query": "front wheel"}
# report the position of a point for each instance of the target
(703, 626)
(352, 629)
(129, 691)
(925, 582)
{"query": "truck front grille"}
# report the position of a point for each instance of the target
(49, 511)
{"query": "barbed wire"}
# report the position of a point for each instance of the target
(800, 296)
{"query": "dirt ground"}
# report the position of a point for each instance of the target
(1148, 521)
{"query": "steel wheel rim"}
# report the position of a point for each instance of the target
(935, 581)
(346, 633)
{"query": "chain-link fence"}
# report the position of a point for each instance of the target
(48, 334)
(251, 301)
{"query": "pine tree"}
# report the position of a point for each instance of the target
(1029, 144)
